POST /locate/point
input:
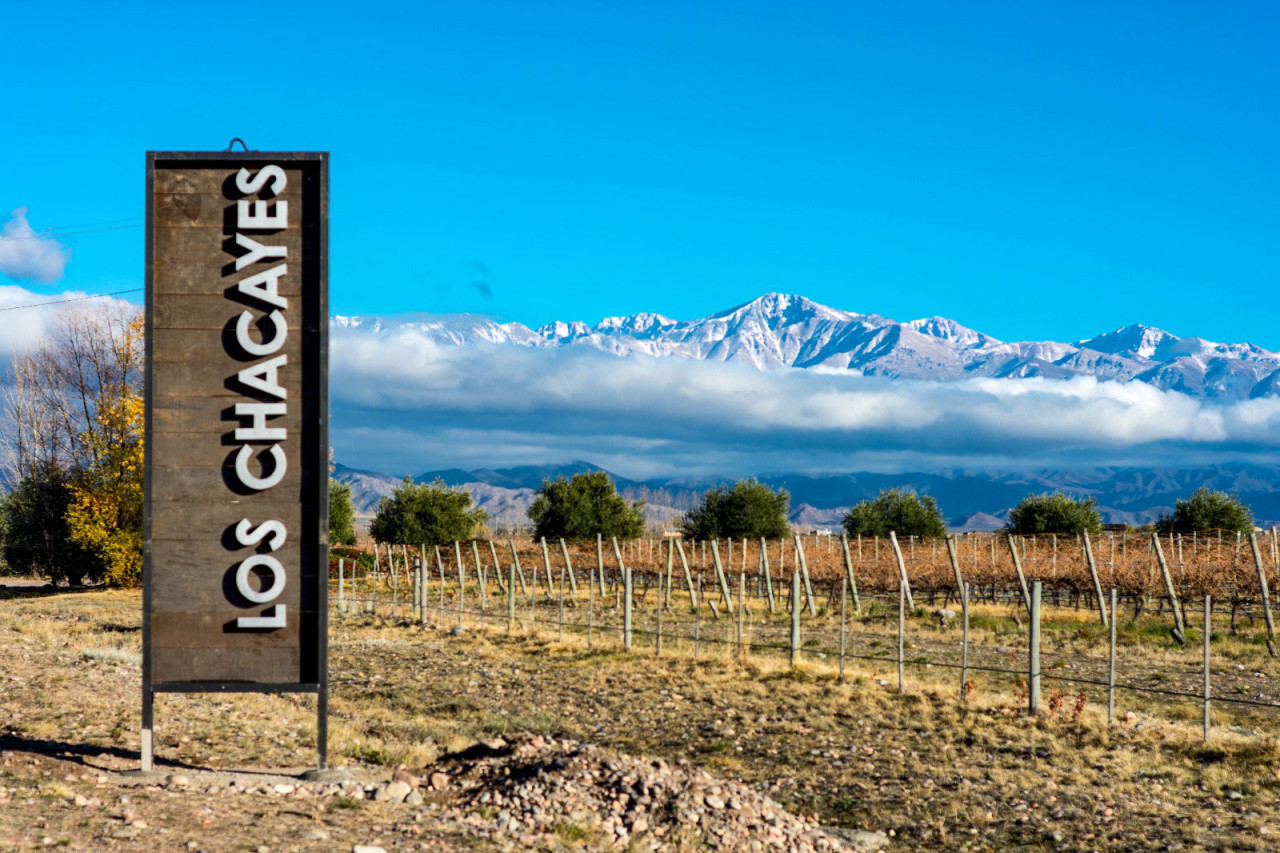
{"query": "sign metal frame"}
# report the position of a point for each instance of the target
(314, 465)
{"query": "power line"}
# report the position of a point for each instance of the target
(53, 232)
(73, 299)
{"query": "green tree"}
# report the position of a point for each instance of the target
(37, 539)
(1208, 510)
(900, 510)
(425, 514)
(1054, 513)
(342, 516)
(746, 510)
(584, 506)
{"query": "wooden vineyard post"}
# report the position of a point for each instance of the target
(591, 604)
(795, 618)
(568, 567)
(1111, 662)
(804, 573)
(480, 576)
(546, 564)
(844, 595)
(1033, 648)
(697, 618)
(768, 581)
(671, 567)
(1097, 582)
(497, 568)
(720, 576)
(511, 599)
(848, 570)
(1022, 578)
(1179, 630)
(955, 561)
(1266, 594)
(688, 578)
(626, 607)
(902, 628)
(524, 588)
(964, 643)
(902, 570)
(742, 608)
(1208, 611)
(560, 627)
(600, 561)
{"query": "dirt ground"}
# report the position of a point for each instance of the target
(927, 771)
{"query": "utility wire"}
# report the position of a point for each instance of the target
(73, 299)
(45, 235)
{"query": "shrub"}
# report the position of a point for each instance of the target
(1208, 510)
(1054, 513)
(746, 510)
(425, 514)
(583, 507)
(899, 510)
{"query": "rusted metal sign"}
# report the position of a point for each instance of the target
(236, 526)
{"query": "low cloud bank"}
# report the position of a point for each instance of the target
(25, 255)
(402, 403)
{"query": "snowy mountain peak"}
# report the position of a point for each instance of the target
(637, 324)
(786, 330)
(1134, 341)
(950, 330)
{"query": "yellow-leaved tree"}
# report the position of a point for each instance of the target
(105, 512)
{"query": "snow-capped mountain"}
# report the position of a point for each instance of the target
(780, 330)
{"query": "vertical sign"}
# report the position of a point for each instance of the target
(236, 522)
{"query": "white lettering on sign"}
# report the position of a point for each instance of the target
(264, 377)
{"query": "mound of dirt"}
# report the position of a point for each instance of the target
(533, 784)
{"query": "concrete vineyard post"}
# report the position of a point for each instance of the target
(591, 604)
(341, 578)
(902, 569)
(1266, 594)
(1033, 645)
(480, 576)
(671, 566)
(657, 651)
(600, 561)
(1093, 574)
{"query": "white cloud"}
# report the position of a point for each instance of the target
(25, 255)
(405, 399)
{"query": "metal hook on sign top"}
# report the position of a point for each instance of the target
(233, 142)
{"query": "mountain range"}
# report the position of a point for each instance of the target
(780, 330)
(969, 501)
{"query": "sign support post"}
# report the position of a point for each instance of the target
(235, 527)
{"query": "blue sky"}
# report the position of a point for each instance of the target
(1031, 170)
